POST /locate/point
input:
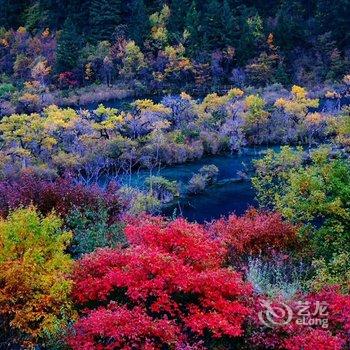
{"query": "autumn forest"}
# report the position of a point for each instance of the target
(174, 175)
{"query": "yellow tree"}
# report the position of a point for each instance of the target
(298, 106)
(255, 113)
(34, 287)
(159, 32)
(24, 135)
(177, 63)
(133, 60)
(109, 119)
(145, 116)
(58, 121)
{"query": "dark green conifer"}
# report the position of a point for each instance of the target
(105, 16)
(68, 47)
(138, 21)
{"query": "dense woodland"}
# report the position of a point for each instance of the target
(172, 43)
(88, 258)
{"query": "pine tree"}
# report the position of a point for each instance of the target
(212, 26)
(177, 18)
(228, 24)
(10, 12)
(138, 21)
(192, 26)
(54, 13)
(251, 36)
(68, 47)
(105, 15)
(79, 12)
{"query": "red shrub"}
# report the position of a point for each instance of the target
(315, 339)
(117, 327)
(172, 274)
(67, 80)
(188, 241)
(338, 309)
(255, 232)
(62, 195)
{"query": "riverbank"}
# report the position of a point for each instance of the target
(31, 99)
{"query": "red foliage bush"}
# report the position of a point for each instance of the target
(169, 287)
(61, 194)
(67, 80)
(256, 232)
(315, 339)
(116, 326)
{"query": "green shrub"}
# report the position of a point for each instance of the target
(335, 272)
(6, 89)
(162, 188)
(313, 191)
(91, 231)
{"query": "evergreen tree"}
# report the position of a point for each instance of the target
(11, 12)
(79, 12)
(33, 18)
(105, 15)
(178, 10)
(193, 28)
(54, 13)
(334, 16)
(138, 21)
(228, 24)
(251, 35)
(212, 26)
(290, 25)
(68, 47)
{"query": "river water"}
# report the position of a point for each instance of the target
(229, 195)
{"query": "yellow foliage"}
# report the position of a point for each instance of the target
(4, 42)
(46, 33)
(21, 30)
(133, 59)
(280, 102)
(34, 294)
(255, 113)
(17, 127)
(58, 118)
(270, 41)
(88, 71)
(66, 160)
(149, 105)
(298, 92)
(331, 94)
(177, 62)
(29, 98)
(41, 70)
(235, 92)
(314, 118)
(159, 33)
(32, 85)
(213, 101)
(299, 104)
(158, 21)
(185, 96)
(346, 79)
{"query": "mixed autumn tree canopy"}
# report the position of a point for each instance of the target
(273, 41)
